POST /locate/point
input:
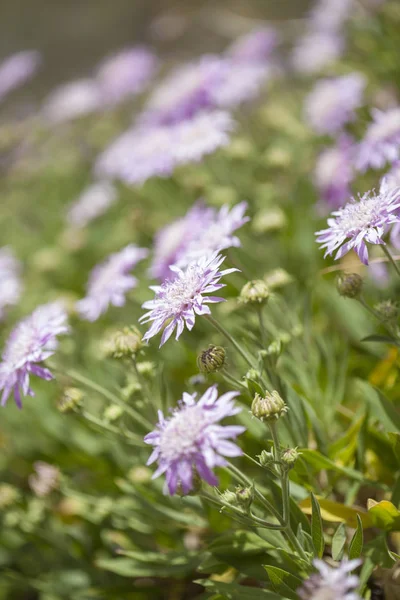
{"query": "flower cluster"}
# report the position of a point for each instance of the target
(331, 583)
(381, 143)
(94, 201)
(17, 70)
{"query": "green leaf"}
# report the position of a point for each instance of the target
(380, 338)
(394, 439)
(234, 591)
(317, 532)
(385, 515)
(356, 544)
(338, 542)
(283, 582)
(151, 564)
(255, 388)
(319, 461)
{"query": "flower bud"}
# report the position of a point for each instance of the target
(146, 368)
(269, 219)
(212, 359)
(254, 292)
(387, 310)
(289, 457)
(266, 458)
(245, 497)
(270, 408)
(277, 278)
(9, 495)
(253, 374)
(124, 343)
(229, 497)
(112, 412)
(349, 285)
(70, 400)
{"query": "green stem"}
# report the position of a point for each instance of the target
(244, 480)
(295, 543)
(130, 438)
(232, 380)
(391, 259)
(253, 519)
(376, 315)
(232, 340)
(262, 325)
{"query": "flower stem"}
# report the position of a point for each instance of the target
(129, 437)
(391, 259)
(232, 340)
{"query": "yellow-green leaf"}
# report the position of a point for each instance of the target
(384, 515)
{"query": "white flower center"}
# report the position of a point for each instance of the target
(361, 215)
(183, 433)
(179, 293)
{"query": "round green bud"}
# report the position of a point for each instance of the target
(70, 400)
(146, 368)
(244, 497)
(124, 343)
(266, 458)
(349, 285)
(212, 359)
(387, 310)
(270, 408)
(112, 412)
(253, 374)
(269, 219)
(277, 278)
(9, 495)
(228, 497)
(289, 457)
(254, 292)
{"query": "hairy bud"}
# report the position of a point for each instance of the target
(387, 310)
(124, 343)
(266, 458)
(245, 497)
(349, 285)
(70, 400)
(254, 292)
(289, 457)
(212, 359)
(270, 408)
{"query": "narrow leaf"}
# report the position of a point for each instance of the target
(356, 544)
(339, 541)
(283, 583)
(317, 533)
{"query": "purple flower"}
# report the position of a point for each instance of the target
(331, 583)
(358, 222)
(333, 102)
(178, 301)
(317, 50)
(10, 280)
(109, 282)
(200, 232)
(330, 15)
(381, 143)
(45, 479)
(191, 442)
(241, 82)
(126, 74)
(92, 203)
(184, 92)
(142, 153)
(32, 341)
(73, 100)
(334, 173)
(256, 46)
(17, 69)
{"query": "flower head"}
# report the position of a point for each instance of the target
(381, 143)
(178, 301)
(17, 69)
(73, 100)
(331, 583)
(192, 441)
(45, 479)
(333, 102)
(126, 73)
(109, 282)
(330, 15)
(10, 281)
(32, 341)
(241, 82)
(316, 50)
(256, 46)
(358, 222)
(334, 172)
(92, 203)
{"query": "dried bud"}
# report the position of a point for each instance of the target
(254, 292)
(245, 497)
(387, 310)
(270, 408)
(124, 343)
(289, 457)
(266, 458)
(212, 359)
(70, 400)
(349, 285)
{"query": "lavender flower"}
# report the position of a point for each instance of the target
(10, 280)
(178, 301)
(330, 15)
(317, 50)
(92, 203)
(73, 100)
(241, 82)
(333, 102)
(191, 442)
(381, 143)
(201, 231)
(142, 153)
(358, 222)
(184, 92)
(331, 583)
(109, 282)
(32, 341)
(334, 173)
(17, 69)
(126, 74)
(45, 479)
(256, 46)
(389, 182)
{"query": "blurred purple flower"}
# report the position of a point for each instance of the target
(10, 280)
(330, 15)
(110, 281)
(391, 181)
(364, 220)
(178, 301)
(334, 173)
(316, 50)
(73, 100)
(32, 341)
(331, 583)
(92, 203)
(17, 69)
(333, 102)
(240, 83)
(126, 73)
(191, 442)
(256, 46)
(381, 142)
